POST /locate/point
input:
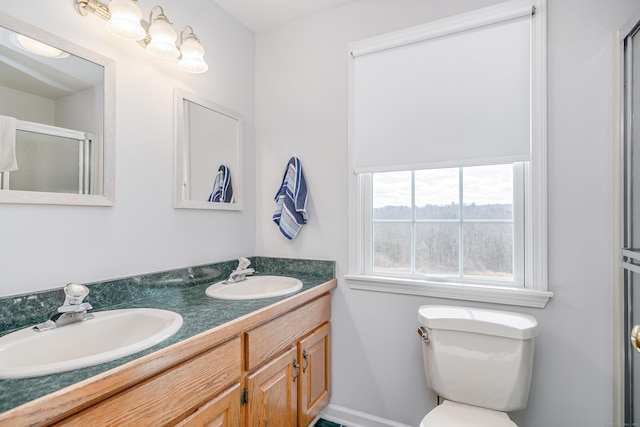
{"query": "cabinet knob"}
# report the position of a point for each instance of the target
(305, 356)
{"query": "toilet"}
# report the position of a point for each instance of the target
(478, 362)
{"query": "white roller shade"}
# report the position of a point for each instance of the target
(437, 99)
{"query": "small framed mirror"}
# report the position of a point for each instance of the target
(56, 119)
(207, 154)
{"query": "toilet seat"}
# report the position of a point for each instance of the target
(453, 414)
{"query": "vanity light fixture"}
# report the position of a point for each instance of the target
(157, 36)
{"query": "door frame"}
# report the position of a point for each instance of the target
(622, 353)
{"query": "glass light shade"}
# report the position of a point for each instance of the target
(163, 40)
(34, 46)
(192, 60)
(125, 20)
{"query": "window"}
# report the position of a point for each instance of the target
(447, 224)
(447, 144)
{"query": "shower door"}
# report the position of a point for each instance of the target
(631, 221)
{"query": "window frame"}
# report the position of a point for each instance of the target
(517, 222)
(535, 292)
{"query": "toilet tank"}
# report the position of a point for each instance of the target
(478, 357)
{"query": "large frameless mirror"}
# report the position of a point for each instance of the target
(56, 119)
(207, 154)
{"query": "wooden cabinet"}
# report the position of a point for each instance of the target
(169, 397)
(289, 363)
(291, 389)
(270, 368)
(286, 380)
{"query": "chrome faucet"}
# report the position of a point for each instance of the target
(240, 273)
(71, 311)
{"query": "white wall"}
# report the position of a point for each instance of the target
(301, 107)
(27, 106)
(81, 111)
(47, 246)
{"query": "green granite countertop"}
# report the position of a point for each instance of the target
(182, 291)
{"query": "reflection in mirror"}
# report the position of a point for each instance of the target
(207, 147)
(56, 119)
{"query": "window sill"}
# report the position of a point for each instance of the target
(478, 293)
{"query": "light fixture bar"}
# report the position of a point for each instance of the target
(83, 7)
(190, 52)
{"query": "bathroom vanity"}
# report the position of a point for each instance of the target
(269, 364)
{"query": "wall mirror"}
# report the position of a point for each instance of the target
(59, 98)
(207, 154)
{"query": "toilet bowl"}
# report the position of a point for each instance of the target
(479, 362)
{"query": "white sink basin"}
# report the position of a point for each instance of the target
(109, 336)
(255, 287)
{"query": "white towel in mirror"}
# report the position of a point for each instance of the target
(8, 144)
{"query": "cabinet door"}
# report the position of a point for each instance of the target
(315, 376)
(272, 392)
(221, 411)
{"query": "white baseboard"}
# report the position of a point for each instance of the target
(351, 418)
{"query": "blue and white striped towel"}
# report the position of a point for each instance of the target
(222, 188)
(291, 200)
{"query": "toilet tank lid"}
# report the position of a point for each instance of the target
(476, 320)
